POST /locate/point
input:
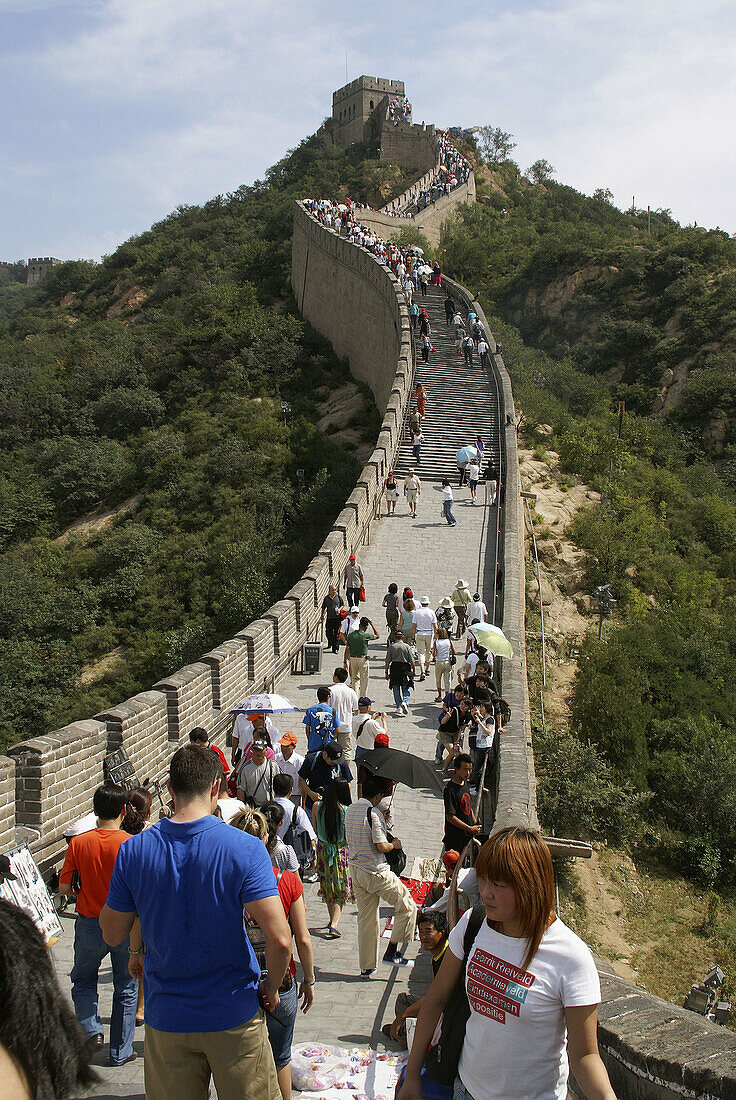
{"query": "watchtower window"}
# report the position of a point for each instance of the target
(371, 104)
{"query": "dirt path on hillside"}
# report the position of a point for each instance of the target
(98, 520)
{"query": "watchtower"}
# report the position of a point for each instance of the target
(353, 105)
(37, 268)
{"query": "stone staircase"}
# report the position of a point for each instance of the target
(462, 401)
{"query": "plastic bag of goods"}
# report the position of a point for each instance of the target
(315, 1067)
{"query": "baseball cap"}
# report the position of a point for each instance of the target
(425, 601)
(352, 557)
(364, 701)
(260, 743)
(381, 739)
(352, 609)
(334, 750)
(288, 739)
(450, 858)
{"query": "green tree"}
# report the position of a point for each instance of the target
(541, 171)
(494, 143)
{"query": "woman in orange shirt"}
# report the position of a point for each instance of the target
(421, 395)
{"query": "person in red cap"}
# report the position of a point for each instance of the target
(354, 581)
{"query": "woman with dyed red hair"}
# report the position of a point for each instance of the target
(531, 984)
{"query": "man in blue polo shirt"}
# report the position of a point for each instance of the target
(188, 879)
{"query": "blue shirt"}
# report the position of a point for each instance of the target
(320, 721)
(188, 883)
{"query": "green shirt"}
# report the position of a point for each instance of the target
(357, 643)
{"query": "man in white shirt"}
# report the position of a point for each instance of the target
(447, 499)
(243, 733)
(412, 491)
(344, 702)
(352, 622)
(290, 761)
(477, 611)
(369, 727)
(374, 881)
(424, 629)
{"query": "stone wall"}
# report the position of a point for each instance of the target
(354, 301)
(411, 146)
(428, 221)
(7, 803)
(47, 782)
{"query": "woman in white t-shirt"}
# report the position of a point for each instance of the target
(442, 651)
(532, 987)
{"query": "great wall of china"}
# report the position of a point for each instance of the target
(652, 1049)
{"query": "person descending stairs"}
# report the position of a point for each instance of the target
(462, 401)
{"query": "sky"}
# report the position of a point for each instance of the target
(118, 111)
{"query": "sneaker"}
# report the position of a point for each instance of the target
(368, 973)
(395, 958)
(404, 708)
(422, 677)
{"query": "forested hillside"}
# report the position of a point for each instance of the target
(591, 309)
(149, 504)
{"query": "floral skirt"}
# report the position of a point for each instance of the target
(334, 877)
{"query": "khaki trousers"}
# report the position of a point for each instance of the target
(424, 649)
(345, 740)
(443, 669)
(370, 887)
(359, 674)
(179, 1064)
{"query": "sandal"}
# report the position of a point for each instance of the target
(332, 933)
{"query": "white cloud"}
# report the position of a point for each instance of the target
(144, 104)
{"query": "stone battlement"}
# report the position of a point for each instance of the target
(37, 268)
(368, 84)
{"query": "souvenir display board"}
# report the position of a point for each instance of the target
(28, 891)
(118, 768)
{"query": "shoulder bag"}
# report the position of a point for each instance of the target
(442, 1060)
(396, 859)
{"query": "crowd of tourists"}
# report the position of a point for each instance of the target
(205, 909)
(453, 170)
(398, 110)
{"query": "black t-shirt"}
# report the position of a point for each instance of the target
(457, 804)
(456, 721)
(318, 774)
(332, 605)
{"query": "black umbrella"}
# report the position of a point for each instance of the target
(402, 767)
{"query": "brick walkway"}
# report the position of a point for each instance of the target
(347, 1010)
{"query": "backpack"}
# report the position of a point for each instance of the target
(324, 728)
(442, 1060)
(503, 709)
(300, 841)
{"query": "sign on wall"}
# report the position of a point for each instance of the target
(118, 768)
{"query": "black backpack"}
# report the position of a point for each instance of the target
(442, 1060)
(301, 842)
